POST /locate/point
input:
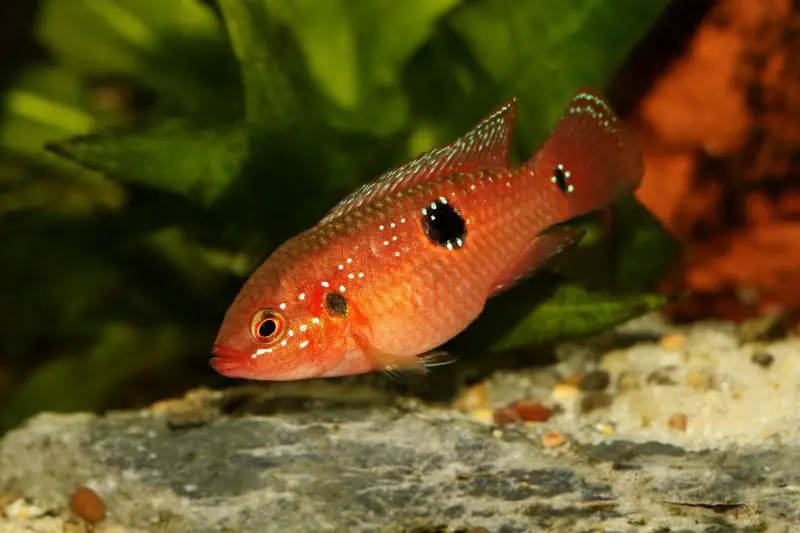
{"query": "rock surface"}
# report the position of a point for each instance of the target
(343, 456)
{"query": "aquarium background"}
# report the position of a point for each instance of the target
(153, 153)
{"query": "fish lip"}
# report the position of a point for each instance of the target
(223, 352)
(229, 362)
(226, 367)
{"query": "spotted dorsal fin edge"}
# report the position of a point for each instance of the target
(485, 146)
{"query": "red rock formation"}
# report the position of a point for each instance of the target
(721, 133)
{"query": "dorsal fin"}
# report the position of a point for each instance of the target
(487, 145)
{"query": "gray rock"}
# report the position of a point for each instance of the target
(361, 461)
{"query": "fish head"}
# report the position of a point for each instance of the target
(281, 328)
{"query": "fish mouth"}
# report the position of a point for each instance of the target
(225, 353)
(229, 362)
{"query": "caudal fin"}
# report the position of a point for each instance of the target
(591, 155)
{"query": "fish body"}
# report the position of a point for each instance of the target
(408, 261)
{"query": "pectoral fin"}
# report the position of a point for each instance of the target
(398, 367)
(404, 367)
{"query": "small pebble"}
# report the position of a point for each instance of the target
(573, 379)
(677, 421)
(87, 504)
(553, 439)
(20, 508)
(77, 526)
(605, 429)
(505, 416)
(6, 498)
(597, 380)
(531, 411)
(772, 326)
(629, 380)
(595, 400)
(663, 376)
(482, 414)
(563, 392)
(474, 397)
(701, 380)
(763, 359)
(673, 342)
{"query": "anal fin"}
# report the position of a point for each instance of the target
(541, 250)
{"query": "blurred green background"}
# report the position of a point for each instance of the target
(153, 152)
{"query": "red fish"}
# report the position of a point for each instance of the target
(408, 261)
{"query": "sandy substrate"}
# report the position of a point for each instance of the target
(699, 387)
(687, 429)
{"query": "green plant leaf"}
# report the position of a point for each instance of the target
(72, 193)
(643, 249)
(327, 38)
(269, 93)
(52, 277)
(574, 311)
(176, 47)
(46, 103)
(543, 51)
(354, 51)
(380, 53)
(197, 264)
(196, 161)
(85, 382)
(632, 255)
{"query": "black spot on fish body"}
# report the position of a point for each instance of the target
(336, 303)
(444, 225)
(560, 178)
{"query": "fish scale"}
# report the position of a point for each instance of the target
(405, 283)
(433, 313)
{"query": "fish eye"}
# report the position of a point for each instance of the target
(267, 328)
(267, 325)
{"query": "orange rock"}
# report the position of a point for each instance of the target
(553, 439)
(673, 342)
(678, 421)
(86, 504)
(700, 102)
(667, 180)
(531, 411)
(720, 130)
